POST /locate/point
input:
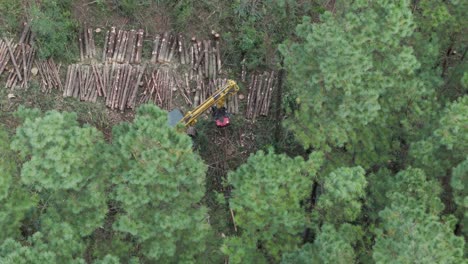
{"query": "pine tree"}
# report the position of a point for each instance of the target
(411, 229)
(15, 200)
(354, 78)
(343, 190)
(159, 186)
(65, 164)
(330, 246)
(60, 245)
(459, 183)
(266, 198)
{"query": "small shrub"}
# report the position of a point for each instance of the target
(55, 29)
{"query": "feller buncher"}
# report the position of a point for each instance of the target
(216, 102)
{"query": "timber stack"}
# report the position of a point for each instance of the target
(86, 43)
(117, 83)
(204, 61)
(123, 46)
(82, 83)
(260, 93)
(17, 59)
(122, 85)
(203, 56)
(50, 77)
(159, 87)
(4, 53)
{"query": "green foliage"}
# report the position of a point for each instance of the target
(11, 15)
(66, 165)
(57, 142)
(16, 201)
(378, 185)
(446, 147)
(159, 186)
(58, 246)
(305, 255)
(442, 31)
(459, 184)
(336, 246)
(7, 164)
(410, 228)
(331, 246)
(255, 28)
(108, 259)
(112, 243)
(266, 198)
(406, 238)
(54, 29)
(343, 190)
(453, 131)
(131, 7)
(353, 76)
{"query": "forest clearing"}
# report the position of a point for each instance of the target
(247, 131)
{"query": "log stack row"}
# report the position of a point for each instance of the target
(5, 52)
(159, 85)
(123, 46)
(260, 93)
(50, 75)
(167, 47)
(22, 59)
(17, 59)
(86, 43)
(203, 56)
(117, 83)
(82, 82)
(122, 85)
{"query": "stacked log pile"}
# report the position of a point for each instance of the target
(82, 83)
(117, 83)
(4, 53)
(123, 83)
(165, 46)
(123, 46)
(260, 93)
(202, 56)
(50, 77)
(19, 56)
(86, 43)
(159, 83)
(205, 58)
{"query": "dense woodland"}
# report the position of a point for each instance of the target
(364, 158)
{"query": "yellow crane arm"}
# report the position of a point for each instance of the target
(218, 98)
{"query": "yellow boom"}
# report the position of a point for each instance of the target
(218, 98)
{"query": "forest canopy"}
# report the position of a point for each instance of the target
(364, 158)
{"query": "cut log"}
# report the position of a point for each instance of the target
(13, 59)
(154, 53)
(131, 46)
(162, 51)
(104, 51)
(111, 44)
(139, 46)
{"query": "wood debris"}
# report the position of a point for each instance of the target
(260, 93)
(17, 59)
(50, 75)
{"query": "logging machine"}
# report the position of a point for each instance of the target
(216, 102)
